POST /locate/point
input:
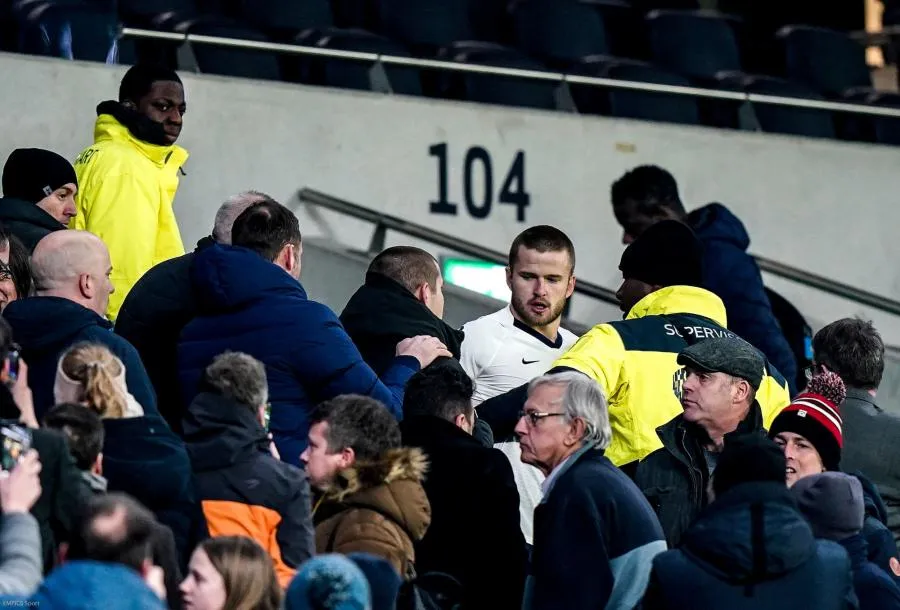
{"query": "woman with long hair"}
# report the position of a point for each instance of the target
(90, 374)
(230, 573)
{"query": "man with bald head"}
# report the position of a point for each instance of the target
(72, 287)
(162, 303)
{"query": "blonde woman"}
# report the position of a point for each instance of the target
(230, 573)
(90, 374)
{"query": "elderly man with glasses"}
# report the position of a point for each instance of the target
(594, 533)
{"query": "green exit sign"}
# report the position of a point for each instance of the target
(485, 278)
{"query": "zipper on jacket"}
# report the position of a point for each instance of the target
(692, 469)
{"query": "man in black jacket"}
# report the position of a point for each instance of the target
(402, 298)
(717, 388)
(161, 304)
(39, 189)
(474, 533)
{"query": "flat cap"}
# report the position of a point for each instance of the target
(731, 355)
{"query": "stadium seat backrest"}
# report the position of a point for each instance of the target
(696, 44)
(559, 31)
(828, 61)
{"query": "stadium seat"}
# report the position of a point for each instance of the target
(828, 61)
(352, 74)
(783, 119)
(425, 25)
(696, 44)
(633, 104)
(68, 29)
(149, 13)
(283, 19)
(490, 88)
(230, 61)
(355, 14)
(886, 129)
(559, 32)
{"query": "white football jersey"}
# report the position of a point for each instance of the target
(500, 353)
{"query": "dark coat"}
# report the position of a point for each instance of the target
(594, 537)
(250, 305)
(27, 221)
(245, 491)
(145, 459)
(751, 549)
(875, 589)
(731, 273)
(45, 327)
(675, 478)
(152, 317)
(474, 534)
(382, 313)
(880, 544)
(870, 447)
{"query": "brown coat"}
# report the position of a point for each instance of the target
(376, 507)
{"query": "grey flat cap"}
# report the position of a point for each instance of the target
(730, 355)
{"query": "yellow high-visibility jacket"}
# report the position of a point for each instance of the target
(634, 361)
(125, 192)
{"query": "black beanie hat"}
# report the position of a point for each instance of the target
(31, 174)
(666, 254)
(748, 458)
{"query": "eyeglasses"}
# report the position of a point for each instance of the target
(535, 416)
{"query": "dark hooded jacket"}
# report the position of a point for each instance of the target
(382, 313)
(251, 305)
(675, 478)
(45, 327)
(27, 221)
(731, 273)
(751, 549)
(145, 459)
(152, 317)
(875, 589)
(244, 490)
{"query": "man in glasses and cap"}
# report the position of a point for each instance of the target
(717, 388)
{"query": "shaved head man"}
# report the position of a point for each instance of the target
(73, 265)
(72, 287)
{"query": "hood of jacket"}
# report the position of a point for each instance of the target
(681, 299)
(119, 124)
(230, 278)
(19, 210)
(46, 324)
(87, 585)
(383, 307)
(715, 222)
(752, 533)
(219, 432)
(391, 485)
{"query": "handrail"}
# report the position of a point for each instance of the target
(540, 75)
(392, 223)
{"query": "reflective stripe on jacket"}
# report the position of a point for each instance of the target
(125, 195)
(634, 361)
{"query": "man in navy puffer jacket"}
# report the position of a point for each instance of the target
(250, 300)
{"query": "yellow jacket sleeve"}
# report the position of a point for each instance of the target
(599, 354)
(123, 211)
(772, 398)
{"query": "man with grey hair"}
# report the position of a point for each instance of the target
(162, 303)
(245, 489)
(594, 532)
(717, 389)
(72, 287)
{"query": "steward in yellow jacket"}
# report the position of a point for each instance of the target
(635, 360)
(128, 178)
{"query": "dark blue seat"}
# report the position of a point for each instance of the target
(559, 32)
(634, 104)
(425, 25)
(494, 89)
(355, 14)
(231, 61)
(826, 60)
(149, 13)
(696, 44)
(284, 19)
(356, 74)
(69, 29)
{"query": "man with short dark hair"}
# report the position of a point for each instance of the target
(854, 350)
(129, 175)
(246, 491)
(84, 432)
(250, 300)
(372, 496)
(717, 388)
(471, 490)
(401, 298)
(162, 302)
(648, 194)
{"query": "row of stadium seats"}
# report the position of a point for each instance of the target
(604, 38)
